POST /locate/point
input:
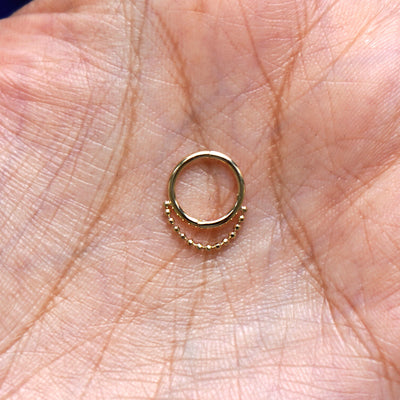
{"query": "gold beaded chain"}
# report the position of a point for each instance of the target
(200, 246)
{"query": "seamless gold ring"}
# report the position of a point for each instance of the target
(173, 204)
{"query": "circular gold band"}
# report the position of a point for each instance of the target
(194, 221)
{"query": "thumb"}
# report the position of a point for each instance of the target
(62, 93)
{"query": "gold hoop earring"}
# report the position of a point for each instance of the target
(172, 202)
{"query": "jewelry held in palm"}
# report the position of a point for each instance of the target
(172, 203)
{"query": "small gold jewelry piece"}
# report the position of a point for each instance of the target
(173, 204)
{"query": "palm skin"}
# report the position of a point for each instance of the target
(99, 299)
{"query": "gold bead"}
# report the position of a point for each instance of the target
(225, 241)
(171, 221)
(237, 227)
(167, 203)
(244, 209)
(199, 246)
(217, 245)
(232, 235)
(208, 247)
(176, 228)
(190, 242)
(241, 218)
(183, 236)
(167, 211)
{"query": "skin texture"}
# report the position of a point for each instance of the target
(99, 299)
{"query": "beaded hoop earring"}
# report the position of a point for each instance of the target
(172, 202)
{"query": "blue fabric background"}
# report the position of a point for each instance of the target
(7, 7)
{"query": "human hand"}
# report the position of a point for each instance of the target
(98, 297)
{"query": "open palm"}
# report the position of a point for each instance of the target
(99, 299)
